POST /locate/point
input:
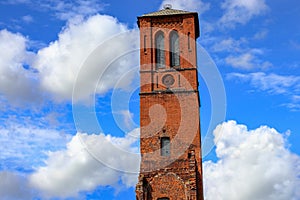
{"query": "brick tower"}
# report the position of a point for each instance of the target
(170, 143)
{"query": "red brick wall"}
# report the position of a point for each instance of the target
(171, 112)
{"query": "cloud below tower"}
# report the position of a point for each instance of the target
(252, 164)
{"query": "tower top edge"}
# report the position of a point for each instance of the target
(168, 10)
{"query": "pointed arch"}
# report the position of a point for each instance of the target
(160, 50)
(174, 49)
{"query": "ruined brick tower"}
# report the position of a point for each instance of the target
(171, 163)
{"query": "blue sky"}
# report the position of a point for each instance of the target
(69, 85)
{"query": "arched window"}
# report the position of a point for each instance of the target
(174, 49)
(160, 50)
(165, 146)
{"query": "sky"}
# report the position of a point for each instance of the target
(69, 84)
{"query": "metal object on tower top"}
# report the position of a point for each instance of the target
(167, 6)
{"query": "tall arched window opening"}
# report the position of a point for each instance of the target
(174, 49)
(160, 50)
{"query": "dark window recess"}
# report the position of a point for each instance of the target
(165, 146)
(145, 42)
(160, 50)
(164, 198)
(189, 41)
(174, 49)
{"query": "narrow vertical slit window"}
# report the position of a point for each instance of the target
(145, 43)
(189, 41)
(160, 50)
(174, 49)
(165, 146)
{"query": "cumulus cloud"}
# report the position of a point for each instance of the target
(17, 84)
(78, 56)
(188, 5)
(89, 161)
(252, 164)
(241, 11)
(14, 186)
(91, 54)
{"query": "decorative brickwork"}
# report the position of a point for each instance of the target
(169, 108)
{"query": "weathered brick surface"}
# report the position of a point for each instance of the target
(172, 112)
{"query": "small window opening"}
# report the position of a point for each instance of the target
(165, 146)
(189, 41)
(145, 43)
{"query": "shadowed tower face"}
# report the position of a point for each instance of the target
(171, 164)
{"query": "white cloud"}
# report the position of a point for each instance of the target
(294, 105)
(25, 145)
(261, 34)
(188, 5)
(91, 54)
(79, 48)
(239, 54)
(252, 164)
(48, 164)
(256, 163)
(126, 116)
(64, 10)
(241, 11)
(16, 2)
(229, 45)
(89, 161)
(272, 83)
(27, 18)
(68, 10)
(247, 61)
(14, 186)
(17, 84)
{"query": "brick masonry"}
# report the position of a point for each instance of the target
(169, 111)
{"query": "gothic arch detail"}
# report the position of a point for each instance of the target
(160, 50)
(162, 189)
(174, 49)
